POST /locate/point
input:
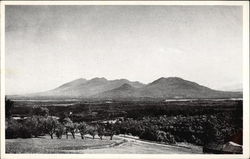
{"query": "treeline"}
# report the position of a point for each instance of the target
(39, 123)
(105, 111)
(199, 129)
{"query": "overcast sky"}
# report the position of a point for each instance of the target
(47, 46)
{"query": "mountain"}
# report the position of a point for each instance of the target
(175, 87)
(86, 88)
(124, 91)
(71, 85)
(172, 87)
(162, 88)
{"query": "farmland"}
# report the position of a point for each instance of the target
(88, 110)
(195, 122)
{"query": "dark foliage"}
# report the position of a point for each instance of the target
(40, 111)
(198, 129)
(9, 105)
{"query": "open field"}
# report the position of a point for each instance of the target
(46, 145)
(133, 146)
(119, 144)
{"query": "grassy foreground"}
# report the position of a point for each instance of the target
(46, 145)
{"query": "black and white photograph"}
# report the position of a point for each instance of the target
(143, 78)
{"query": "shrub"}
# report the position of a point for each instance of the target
(161, 136)
(12, 129)
(31, 127)
(34, 125)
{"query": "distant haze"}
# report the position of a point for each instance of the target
(47, 46)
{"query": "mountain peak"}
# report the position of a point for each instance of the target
(168, 79)
(97, 79)
(80, 79)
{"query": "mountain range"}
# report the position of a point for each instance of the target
(162, 88)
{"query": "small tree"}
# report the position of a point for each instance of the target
(82, 127)
(92, 131)
(70, 127)
(59, 130)
(50, 126)
(100, 131)
(110, 130)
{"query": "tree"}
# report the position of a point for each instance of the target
(100, 131)
(110, 130)
(40, 111)
(59, 130)
(70, 127)
(63, 116)
(35, 125)
(210, 132)
(9, 105)
(92, 131)
(82, 127)
(50, 126)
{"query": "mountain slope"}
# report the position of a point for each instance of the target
(124, 91)
(172, 87)
(85, 88)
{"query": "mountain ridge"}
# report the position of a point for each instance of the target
(170, 87)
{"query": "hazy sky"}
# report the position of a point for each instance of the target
(47, 46)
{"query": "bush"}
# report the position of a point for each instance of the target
(25, 132)
(34, 125)
(12, 129)
(31, 127)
